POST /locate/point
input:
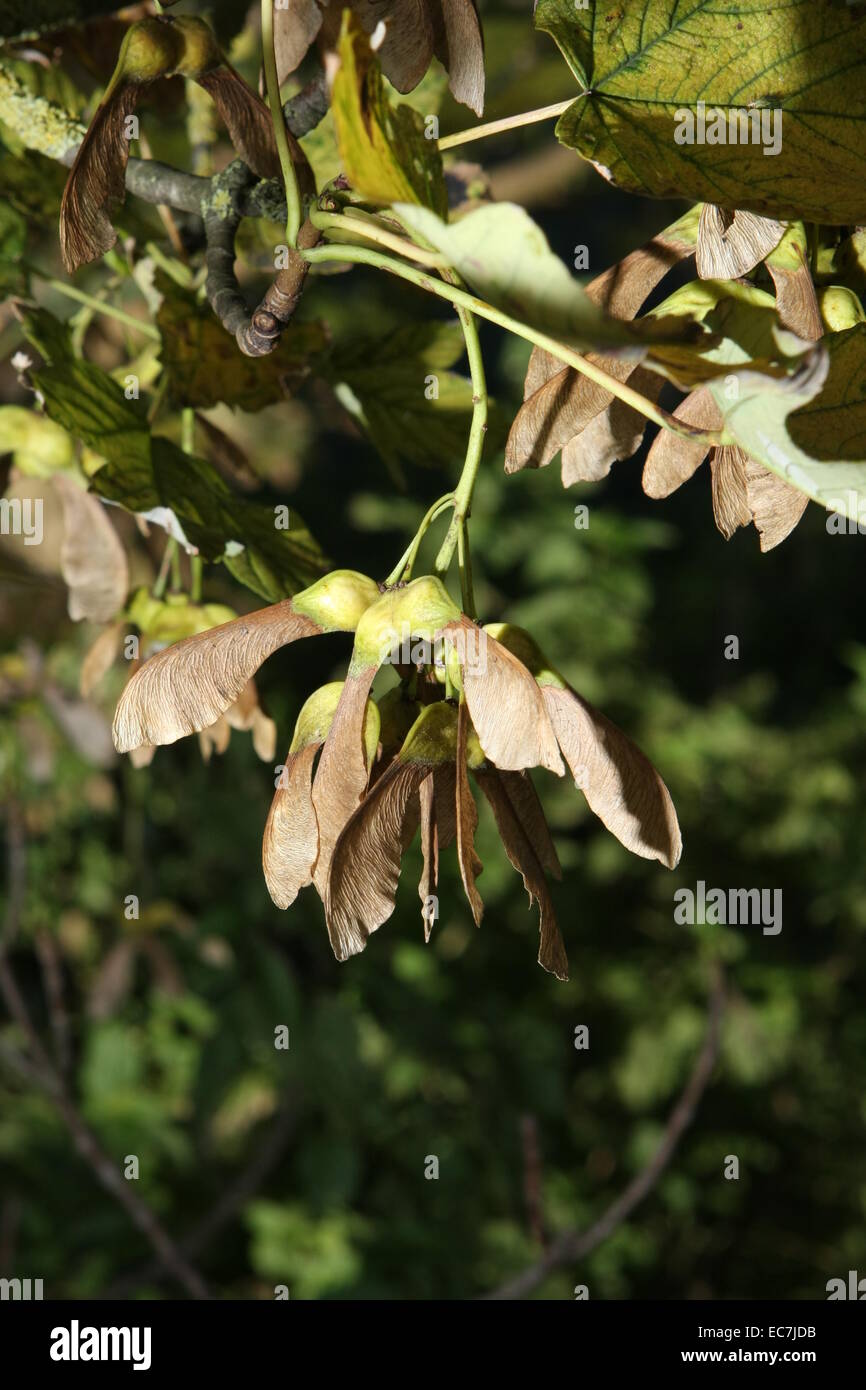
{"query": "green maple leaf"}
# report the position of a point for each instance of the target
(638, 64)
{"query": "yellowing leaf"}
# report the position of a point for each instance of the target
(643, 67)
(386, 155)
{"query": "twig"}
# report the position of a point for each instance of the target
(39, 1067)
(576, 1245)
(481, 132)
(16, 858)
(224, 1211)
(52, 979)
(532, 1180)
(221, 201)
(222, 218)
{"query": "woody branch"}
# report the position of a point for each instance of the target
(222, 201)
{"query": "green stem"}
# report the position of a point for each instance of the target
(361, 255)
(158, 400)
(356, 223)
(480, 132)
(196, 569)
(187, 430)
(403, 569)
(294, 214)
(464, 561)
(813, 235)
(176, 576)
(187, 443)
(165, 564)
(456, 537)
(97, 305)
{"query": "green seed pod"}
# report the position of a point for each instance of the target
(337, 601)
(199, 50)
(397, 714)
(150, 49)
(433, 738)
(399, 616)
(840, 308)
(317, 714)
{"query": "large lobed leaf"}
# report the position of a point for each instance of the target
(401, 390)
(639, 63)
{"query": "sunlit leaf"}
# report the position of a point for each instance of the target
(386, 154)
(642, 68)
(813, 438)
(505, 256)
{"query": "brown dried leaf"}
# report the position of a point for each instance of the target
(406, 50)
(445, 787)
(467, 821)
(291, 840)
(367, 857)
(557, 411)
(459, 46)
(85, 727)
(616, 433)
(215, 738)
(264, 737)
(92, 559)
(730, 489)
(620, 784)
(186, 687)
(342, 774)
(505, 703)
(438, 798)
(429, 880)
(520, 851)
(248, 122)
(100, 658)
(776, 507)
(296, 24)
(246, 715)
(96, 185)
(796, 301)
(672, 459)
(559, 402)
(730, 244)
(142, 757)
(528, 810)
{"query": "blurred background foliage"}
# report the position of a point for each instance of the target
(461, 1048)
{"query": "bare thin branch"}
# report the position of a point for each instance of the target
(570, 1246)
(38, 1066)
